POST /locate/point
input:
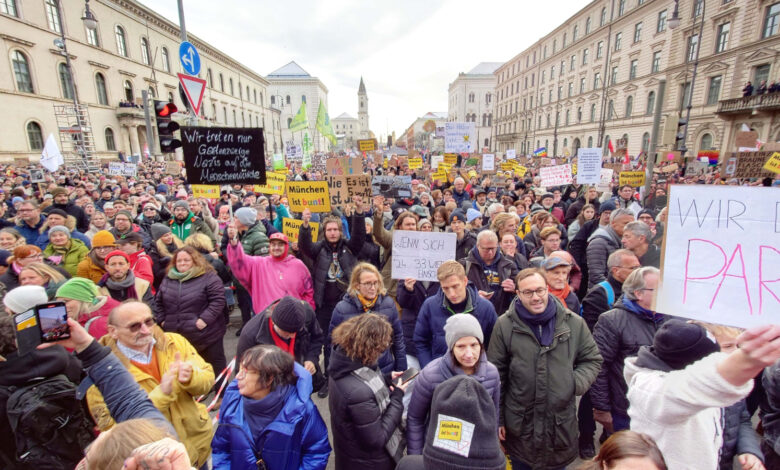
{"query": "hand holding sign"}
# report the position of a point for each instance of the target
(379, 203)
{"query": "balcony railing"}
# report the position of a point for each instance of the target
(749, 104)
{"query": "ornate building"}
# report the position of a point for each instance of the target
(471, 100)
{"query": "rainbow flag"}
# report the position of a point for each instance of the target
(540, 152)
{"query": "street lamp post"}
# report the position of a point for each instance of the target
(674, 23)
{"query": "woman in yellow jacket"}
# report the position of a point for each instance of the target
(189, 418)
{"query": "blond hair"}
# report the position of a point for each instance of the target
(354, 280)
(122, 439)
(450, 268)
(200, 241)
(45, 271)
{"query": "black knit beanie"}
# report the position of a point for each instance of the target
(288, 314)
(680, 344)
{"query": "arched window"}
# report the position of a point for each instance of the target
(224, 115)
(129, 91)
(232, 90)
(606, 145)
(587, 26)
(471, 97)
(121, 41)
(34, 135)
(289, 121)
(235, 121)
(52, 15)
(22, 72)
(610, 110)
(706, 142)
(568, 112)
(287, 99)
(592, 112)
(590, 139)
(145, 55)
(100, 86)
(565, 142)
(166, 61)
(221, 83)
(629, 106)
(575, 32)
(650, 103)
(110, 143)
(209, 78)
(254, 92)
(303, 98)
(152, 93)
(575, 144)
(65, 81)
(646, 142)
(92, 34)
(273, 99)
(247, 94)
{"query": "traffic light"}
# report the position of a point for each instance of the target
(679, 138)
(163, 111)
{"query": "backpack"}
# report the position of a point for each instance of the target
(49, 426)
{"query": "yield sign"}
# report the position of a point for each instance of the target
(193, 88)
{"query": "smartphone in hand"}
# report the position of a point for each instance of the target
(53, 320)
(409, 374)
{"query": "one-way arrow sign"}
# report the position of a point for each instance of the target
(193, 88)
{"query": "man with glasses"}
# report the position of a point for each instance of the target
(490, 271)
(168, 368)
(619, 333)
(29, 221)
(123, 225)
(545, 357)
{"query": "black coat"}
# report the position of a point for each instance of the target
(465, 244)
(576, 207)
(181, 304)
(476, 274)
(410, 303)
(360, 431)
(370, 252)
(578, 248)
(596, 302)
(739, 437)
(82, 220)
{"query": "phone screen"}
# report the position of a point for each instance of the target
(28, 331)
(53, 319)
(409, 374)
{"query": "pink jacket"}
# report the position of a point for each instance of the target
(267, 279)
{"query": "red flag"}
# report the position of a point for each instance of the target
(610, 146)
(626, 160)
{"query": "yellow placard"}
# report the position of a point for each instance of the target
(292, 227)
(507, 166)
(274, 184)
(450, 159)
(367, 145)
(773, 164)
(632, 178)
(573, 169)
(206, 191)
(520, 171)
(308, 194)
(450, 430)
(472, 174)
(415, 163)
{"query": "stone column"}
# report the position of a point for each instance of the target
(135, 146)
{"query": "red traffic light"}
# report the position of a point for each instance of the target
(163, 109)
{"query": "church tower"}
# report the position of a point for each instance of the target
(363, 110)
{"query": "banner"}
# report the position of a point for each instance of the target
(51, 158)
(632, 178)
(555, 175)
(205, 191)
(540, 152)
(274, 184)
(721, 260)
(292, 228)
(308, 194)
(392, 186)
(224, 155)
(415, 163)
(588, 165)
(418, 255)
(459, 137)
(293, 150)
(122, 169)
(488, 163)
(300, 121)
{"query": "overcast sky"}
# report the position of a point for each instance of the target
(408, 51)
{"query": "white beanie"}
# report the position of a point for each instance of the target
(23, 298)
(461, 325)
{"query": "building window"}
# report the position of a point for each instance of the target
(582, 85)
(596, 80)
(621, 7)
(471, 97)
(567, 120)
(560, 92)
(232, 90)
(224, 115)
(646, 142)
(571, 89)
(722, 41)
(656, 66)
(52, 15)
(254, 94)
(555, 46)
(592, 115)
(637, 32)
(209, 78)
(121, 41)
(685, 94)
(152, 93)
(489, 97)
(65, 81)
(693, 45)
(761, 74)
(698, 6)
(247, 98)
(110, 143)
(629, 106)
(574, 32)
(8, 7)
(563, 46)
(614, 78)
(222, 85)
(573, 63)
(600, 50)
(771, 20)
(563, 68)
(92, 35)
(541, 78)
(273, 99)
(579, 114)
(303, 98)
(145, 55)
(714, 91)
(287, 99)
(170, 97)
(610, 110)
(100, 86)
(129, 91)
(632, 69)
(590, 142)
(235, 121)
(34, 135)
(166, 60)
(706, 142)
(22, 72)
(660, 26)
(606, 145)
(618, 41)
(585, 56)
(603, 19)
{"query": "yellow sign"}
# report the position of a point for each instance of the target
(520, 171)
(450, 159)
(773, 164)
(206, 191)
(439, 175)
(308, 194)
(573, 169)
(415, 163)
(367, 145)
(632, 178)
(292, 227)
(472, 174)
(274, 184)
(450, 430)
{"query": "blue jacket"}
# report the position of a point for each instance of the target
(429, 330)
(31, 234)
(296, 439)
(394, 359)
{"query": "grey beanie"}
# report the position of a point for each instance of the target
(246, 215)
(183, 204)
(59, 228)
(370, 221)
(459, 326)
(158, 230)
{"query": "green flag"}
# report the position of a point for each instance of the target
(300, 121)
(306, 151)
(323, 124)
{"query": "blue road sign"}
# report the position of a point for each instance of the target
(189, 58)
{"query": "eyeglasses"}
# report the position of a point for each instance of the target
(150, 209)
(530, 293)
(367, 285)
(488, 248)
(35, 256)
(134, 327)
(647, 289)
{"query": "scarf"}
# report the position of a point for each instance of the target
(637, 309)
(562, 293)
(128, 284)
(191, 273)
(542, 325)
(260, 413)
(373, 380)
(283, 344)
(100, 263)
(367, 304)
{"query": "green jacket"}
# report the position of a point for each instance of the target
(192, 224)
(539, 385)
(71, 259)
(255, 241)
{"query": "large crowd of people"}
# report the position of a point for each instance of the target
(538, 331)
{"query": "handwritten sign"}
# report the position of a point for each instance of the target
(292, 228)
(721, 260)
(488, 163)
(460, 137)
(751, 165)
(773, 164)
(219, 155)
(746, 139)
(520, 171)
(634, 179)
(122, 169)
(418, 255)
(511, 154)
(367, 145)
(392, 186)
(605, 179)
(435, 160)
(205, 191)
(450, 159)
(555, 175)
(173, 168)
(274, 183)
(343, 189)
(415, 163)
(308, 194)
(588, 165)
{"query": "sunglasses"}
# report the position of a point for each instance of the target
(135, 327)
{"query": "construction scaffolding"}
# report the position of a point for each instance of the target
(77, 142)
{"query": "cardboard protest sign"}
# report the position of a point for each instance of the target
(555, 175)
(173, 168)
(343, 166)
(751, 165)
(392, 186)
(460, 137)
(451, 159)
(670, 168)
(746, 139)
(418, 255)
(378, 158)
(632, 178)
(415, 163)
(773, 164)
(308, 194)
(292, 227)
(435, 160)
(508, 166)
(221, 155)
(488, 163)
(721, 259)
(343, 189)
(274, 183)
(367, 145)
(205, 191)
(588, 165)
(605, 178)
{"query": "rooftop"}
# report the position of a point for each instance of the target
(291, 70)
(485, 68)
